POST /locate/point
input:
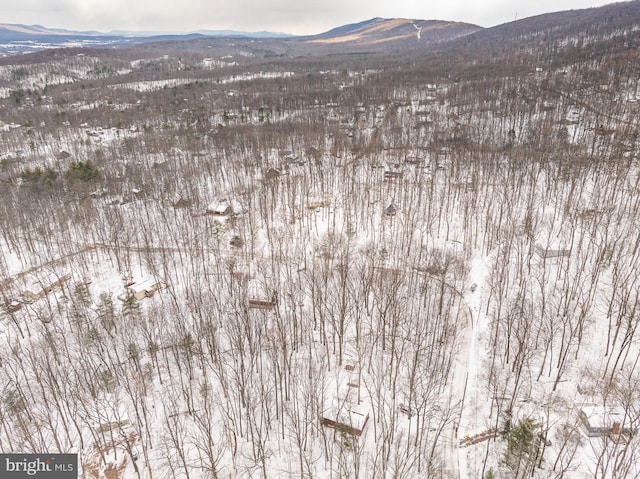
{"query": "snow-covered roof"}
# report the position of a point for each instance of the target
(353, 416)
(345, 405)
(391, 209)
(146, 285)
(220, 207)
(603, 416)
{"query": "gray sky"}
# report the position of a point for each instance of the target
(289, 16)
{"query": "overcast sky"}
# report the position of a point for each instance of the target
(288, 16)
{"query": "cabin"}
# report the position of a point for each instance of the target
(272, 174)
(288, 156)
(181, 204)
(551, 241)
(601, 421)
(144, 289)
(390, 175)
(387, 274)
(348, 419)
(414, 160)
(221, 208)
(110, 426)
(261, 297)
(548, 252)
(345, 412)
(13, 306)
(391, 210)
(41, 287)
(257, 303)
(316, 203)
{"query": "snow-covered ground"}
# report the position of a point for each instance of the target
(447, 294)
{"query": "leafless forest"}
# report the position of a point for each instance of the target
(220, 263)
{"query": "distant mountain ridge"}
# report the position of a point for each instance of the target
(17, 38)
(40, 30)
(378, 31)
(19, 32)
(594, 20)
(568, 32)
(375, 31)
(556, 38)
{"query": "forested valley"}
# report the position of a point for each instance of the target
(223, 261)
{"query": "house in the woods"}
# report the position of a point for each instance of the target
(316, 203)
(599, 421)
(550, 243)
(547, 252)
(13, 306)
(263, 303)
(181, 204)
(414, 160)
(391, 175)
(62, 155)
(345, 411)
(391, 210)
(220, 208)
(386, 274)
(40, 287)
(143, 289)
(260, 296)
(272, 174)
(347, 418)
(288, 157)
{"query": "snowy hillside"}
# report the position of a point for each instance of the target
(215, 262)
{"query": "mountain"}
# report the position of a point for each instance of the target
(17, 38)
(18, 33)
(549, 40)
(236, 33)
(205, 32)
(555, 36)
(550, 26)
(395, 32)
(561, 32)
